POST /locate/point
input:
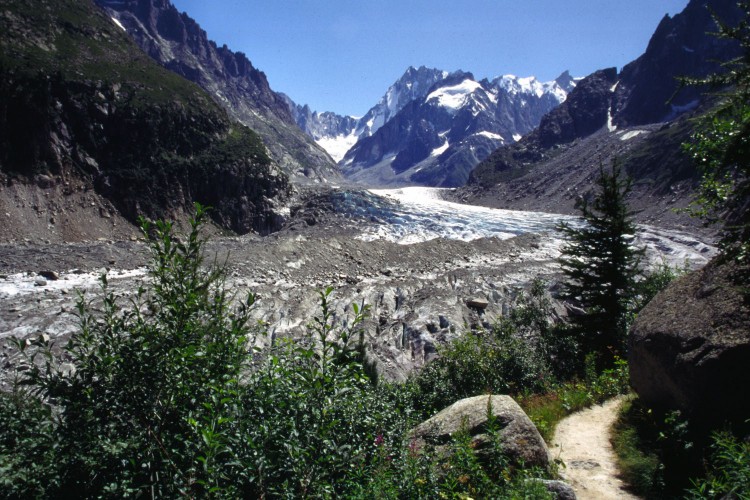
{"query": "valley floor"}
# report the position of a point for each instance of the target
(370, 251)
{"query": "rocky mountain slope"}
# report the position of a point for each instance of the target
(438, 139)
(640, 116)
(178, 43)
(432, 127)
(93, 132)
(337, 134)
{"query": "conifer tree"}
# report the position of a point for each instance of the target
(601, 265)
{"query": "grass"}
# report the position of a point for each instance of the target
(640, 466)
(546, 410)
(83, 44)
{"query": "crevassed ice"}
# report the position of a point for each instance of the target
(421, 215)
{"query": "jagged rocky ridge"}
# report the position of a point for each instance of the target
(640, 116)
(92, 131)
(432, 127)
(337, 134)
(437, 140)
(178, 43)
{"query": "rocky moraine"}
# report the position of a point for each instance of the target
(422, 290)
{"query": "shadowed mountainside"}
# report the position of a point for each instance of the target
(177, 42)
(88, 123)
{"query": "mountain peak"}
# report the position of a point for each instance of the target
(178, 43)
(566, 81)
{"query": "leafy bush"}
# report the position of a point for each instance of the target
(509, 359)
(151, 384)
(455, 473)
(311, 415)
(166, 395)
(729, 472)
(636, 449)
(721, 144)
(654, 281)
(663, 456)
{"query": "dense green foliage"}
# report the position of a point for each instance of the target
(165, 394)
(729, 471)
(524, 355)
(144, 381)
(635, 443)
(518, 355)
(721, 145)
(662, 456)
(602, 267)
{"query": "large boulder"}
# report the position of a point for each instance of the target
(690, 347)
(520, 439)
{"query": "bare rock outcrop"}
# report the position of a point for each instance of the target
(520, 439)
(690, 347)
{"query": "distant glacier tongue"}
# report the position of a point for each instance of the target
(416, 214)
(421, 214)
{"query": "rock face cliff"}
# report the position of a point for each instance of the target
(626, 115)
(178, 43)
(87, 119)
(648, 89)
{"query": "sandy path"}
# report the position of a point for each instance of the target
(582, 442)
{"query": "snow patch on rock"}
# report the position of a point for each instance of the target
(455, 96)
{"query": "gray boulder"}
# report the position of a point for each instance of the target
(690, 347)
(478, 303)
(559, 489)
(49, 275)
(520, 440)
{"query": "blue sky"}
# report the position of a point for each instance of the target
(341, 55)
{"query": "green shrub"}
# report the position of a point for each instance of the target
(729, 470)
(311, 415)
(510, 359)
(654, 281)
(663, 456)
(638, 461)
(165, 395)
(457, 472)
(149, 403)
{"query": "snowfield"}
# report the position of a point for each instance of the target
(455, 96)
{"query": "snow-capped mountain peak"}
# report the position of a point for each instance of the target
(438, 138)
(336, 134)
(413, 84)
(434, 114)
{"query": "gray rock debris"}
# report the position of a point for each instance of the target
(520, 439)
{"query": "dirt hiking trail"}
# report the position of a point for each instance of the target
(581, 441)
